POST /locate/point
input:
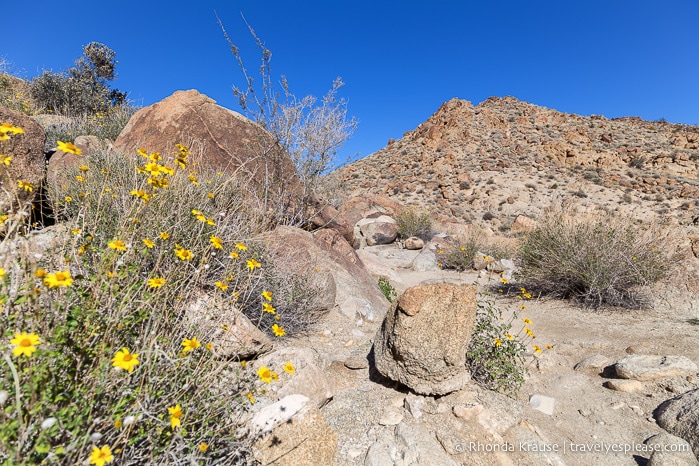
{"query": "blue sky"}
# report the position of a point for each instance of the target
(400, 60)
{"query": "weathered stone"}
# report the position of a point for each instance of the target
(276, 414)
(391, 416)
(232, 334)
(650, 367)
(308, 379)
(305, 439)
(28, 164)
(218, 139)
(522, 223)
(669, 450)
(422, 342)
(680, 417)
(414, 243)
(627, 386)
(326, 252)
(357, 362)
(414, 404)
(419, 446)
(380, 230)
(594, 362)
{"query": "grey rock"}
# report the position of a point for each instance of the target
(356, 362)
(680, 417)
(391, 416)
(414, 243)
(414, 404)
(380, 230)
(378, 455)
(422, 342)
(669, 450)
(420, 446)
(650, 367)
(596, 361)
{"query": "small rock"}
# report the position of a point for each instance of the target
(545, 404)
(414, 404)
(596, 361)
(651, 367)
(617, 406)
(356, 362)
(391, 416)
(636, 409)
(414, 243)
(467, 412)
(585, 412)
(626, 386)
(377, 455)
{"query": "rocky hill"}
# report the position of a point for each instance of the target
(505, 157)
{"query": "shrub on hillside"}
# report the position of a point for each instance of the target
(82, 89)
(412, 222)
(595, 259)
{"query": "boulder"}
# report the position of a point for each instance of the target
(324, 215)
(307, 380)
(230, 332)
(218, 139)
(28, 163)
(422, 342)
(680, 417)
(650, 367)
(359, 207)
(374, 231)
(326, 254)
(414, 243)
(668, 450)
(302, 438)
(522, 224)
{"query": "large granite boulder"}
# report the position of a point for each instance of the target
(218, 139)
(28, 163)
(423, 340)
(333, 265)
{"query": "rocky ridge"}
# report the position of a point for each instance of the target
(505, 157)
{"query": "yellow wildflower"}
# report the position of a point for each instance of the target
(83, 168)
(203, 446)
(80, 178)
(497, 342)
(6, 128)
(2, 272)
(25, 343)
(216, 242)
(25, 185)
(123, 359)
(504, 280)
(141, 194)
(233, 255)
(265, 374)
(156, 282)
(536, 349)
(267, 295)
(175, 415)
(209, 346)
(68, 147)
(6, 159)
(289, 367)
(59, 279)
(529, 332)
(278, 330)
(193, 179)
(164, 235)
(40, 273)
(527, 321)
(148, 243)
(117, 245)
(266, 307)
(190, 345)
(210, 195)
(221, 285)
(183, 254)
(101, 456)
(241, 247)
(250, 397)
(252, 263)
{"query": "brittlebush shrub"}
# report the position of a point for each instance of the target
(412, 222)
(595, 259)
(147, 248)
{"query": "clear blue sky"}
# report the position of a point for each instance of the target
(399, 59)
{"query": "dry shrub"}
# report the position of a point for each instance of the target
(596, 259)
(412, 222)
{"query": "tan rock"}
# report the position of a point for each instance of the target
(422, 342)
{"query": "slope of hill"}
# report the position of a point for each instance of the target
(505, 157)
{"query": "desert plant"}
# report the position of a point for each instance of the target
(82, 89)
(310, 130)
(103, 357)
(595, 259)
(496, 355)
(387, 289)
(412, 222)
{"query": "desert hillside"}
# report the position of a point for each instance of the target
(504, 157)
